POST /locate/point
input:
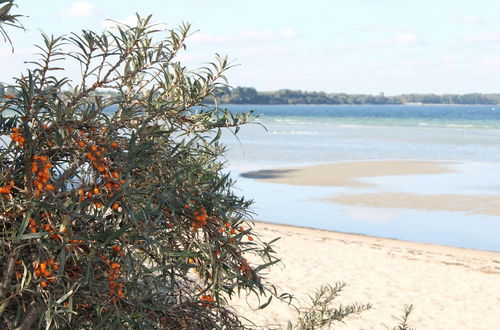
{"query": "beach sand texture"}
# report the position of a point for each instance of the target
(450, 288)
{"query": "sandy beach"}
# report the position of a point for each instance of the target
(450, 288)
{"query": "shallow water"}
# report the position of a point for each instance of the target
(468, 135)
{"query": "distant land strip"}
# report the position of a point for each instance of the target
(249, 95)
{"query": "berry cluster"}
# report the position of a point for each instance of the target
(40, 167)
(17, 137)
(44, 271)
(6, 190)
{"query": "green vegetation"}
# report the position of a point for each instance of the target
(7, 18)
(249, 95)
(125, 219)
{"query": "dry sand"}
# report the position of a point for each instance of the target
(450, 288)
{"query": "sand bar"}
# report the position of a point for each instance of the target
(470, 204)
(347, 174)
(450, 288)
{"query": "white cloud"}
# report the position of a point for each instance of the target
(468, 19)
(407, 39)
(266, 51)
(491, 62)
(477, 38)
(399, 40)
(80, 9)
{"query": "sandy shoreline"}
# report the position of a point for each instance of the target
(451, 288)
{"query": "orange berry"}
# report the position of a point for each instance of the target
(50, 187)
(116, 175)
(96, 191)
(18, 275)
(233, 231)
(93, 147)
(250, 238)
(43, 284)
(228, 225)
(43, 158)
(115, 206)
(81, 144)
(52, 280)
(114, 144)
(44, 126)
(81, 192)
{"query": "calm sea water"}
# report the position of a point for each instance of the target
(301, 135)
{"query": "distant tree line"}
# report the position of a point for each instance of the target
(249, 95)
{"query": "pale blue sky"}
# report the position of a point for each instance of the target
(352, 46)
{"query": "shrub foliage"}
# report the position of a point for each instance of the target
(114, 210)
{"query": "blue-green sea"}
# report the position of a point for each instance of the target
(296, 135)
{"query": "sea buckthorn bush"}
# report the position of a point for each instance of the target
(115, 211)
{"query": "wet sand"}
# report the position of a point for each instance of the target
(347, 174)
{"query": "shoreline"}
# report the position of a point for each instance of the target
(388, 240)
